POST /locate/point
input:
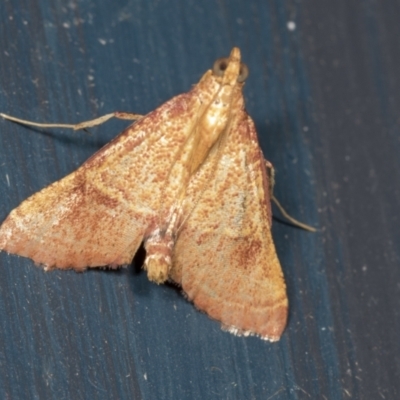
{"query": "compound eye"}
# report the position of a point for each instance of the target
(243, 73)
(220, 66)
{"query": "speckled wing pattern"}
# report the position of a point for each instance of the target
(97, 216)
(224, 258)
(189, 181)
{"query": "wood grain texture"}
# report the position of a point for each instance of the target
(325, 98)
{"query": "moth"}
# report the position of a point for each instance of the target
(189, 181)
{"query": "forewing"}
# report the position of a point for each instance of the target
(97, 215)
(224, 257)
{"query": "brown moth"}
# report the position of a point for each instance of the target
(189, 180)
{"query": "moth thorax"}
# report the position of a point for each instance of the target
(158, 257)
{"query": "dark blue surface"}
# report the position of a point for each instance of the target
(326, 101)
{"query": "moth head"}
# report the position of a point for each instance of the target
(221, 65)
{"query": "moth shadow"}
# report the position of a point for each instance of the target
(84, 139)
(280, 220)
(81, 139)
(138, 261)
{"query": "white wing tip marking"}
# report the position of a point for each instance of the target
(239, 332)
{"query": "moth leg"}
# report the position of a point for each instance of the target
(81, 125)
(271, 175)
